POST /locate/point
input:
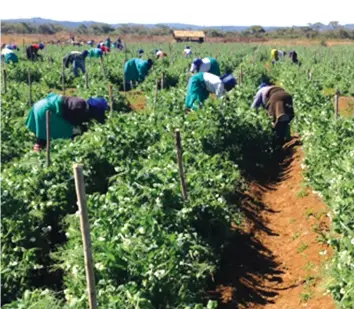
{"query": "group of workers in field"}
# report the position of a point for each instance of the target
(69, 114)
(278, 55)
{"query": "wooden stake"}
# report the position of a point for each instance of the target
(63, 79)
(110, 90)
(5, 80)
(48, 136)
(180, 164)
(156, 88)
(86, 80)
(310, 75)
(124, 81)
(336, 104)
(102, 66)
(85, 232)
(162, 80)
(30, 88)
(240, 76)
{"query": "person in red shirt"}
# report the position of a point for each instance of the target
(104, 49)
(32, 51)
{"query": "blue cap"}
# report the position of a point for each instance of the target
(229, 81)
(197, 62)
(41, 45)
(263, 85)
(140, 51)
(98, 106)
(85, 53)
(98, 45)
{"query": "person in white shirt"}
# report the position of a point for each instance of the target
(160, 54)
(187, 52)
(202, 84)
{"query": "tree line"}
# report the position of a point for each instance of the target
(313, 31)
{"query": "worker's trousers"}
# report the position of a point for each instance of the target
(79, 64)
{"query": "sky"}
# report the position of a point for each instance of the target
(196, 12)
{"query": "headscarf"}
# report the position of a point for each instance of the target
(197, 62)
(41, 45)
(229, 81)
(98, 106)
(85, 53)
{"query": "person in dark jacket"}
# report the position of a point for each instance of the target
(32, 51)
(293, 57)
(279, 105)
(68, 115)
(77, 60)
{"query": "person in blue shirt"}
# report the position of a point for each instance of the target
(279, 105)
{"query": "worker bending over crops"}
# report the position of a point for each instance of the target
(279, 105)
(77, 60)
(32, 51)
(202, 84)
(9, 55)
(207, 64)
(108, 42)
(136, 70)
(160, 54)
(293, 57)
(95, 53)
(187, 52)
(68, 115)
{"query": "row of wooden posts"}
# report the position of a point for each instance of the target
(85, 224)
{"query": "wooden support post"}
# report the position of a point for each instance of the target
(180, 164)
(124, 81)
(110, 90)
(5, 79)
(156, 92)
(240, 76)
(63, 79)
(336, 104)
(48, 137)
(163, 80)
(102, 66)
(85, 232)
(86, 80)
(310, 75)
(30, 88)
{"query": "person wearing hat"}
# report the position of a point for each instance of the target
(201, 84)
(187, 52)
(279, 105)
(9, 55)
(95, 53)
(136, 70)
(12, 47)
(207, 64)
(68, 114)
(160, 54)
(32, 51)
(140, 53)
(77, 60)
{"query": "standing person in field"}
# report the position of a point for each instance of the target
(95, 53)
(32, 51)
(77, 60)
(279, 105)
(9, 55)
(187, 52)
(68, 114)
(207, 64)
(201, 84)
(136, 70)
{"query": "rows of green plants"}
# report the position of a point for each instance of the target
(151, 248)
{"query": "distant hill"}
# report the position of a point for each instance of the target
(73, 24)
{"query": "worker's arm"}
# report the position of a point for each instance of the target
(258, 100)
(193, 68)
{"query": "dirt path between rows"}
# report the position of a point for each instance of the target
(277, 259)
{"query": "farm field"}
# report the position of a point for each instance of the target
(260, 229)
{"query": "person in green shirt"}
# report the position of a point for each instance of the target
(136, 70)
(67, 115)
(95, 53)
